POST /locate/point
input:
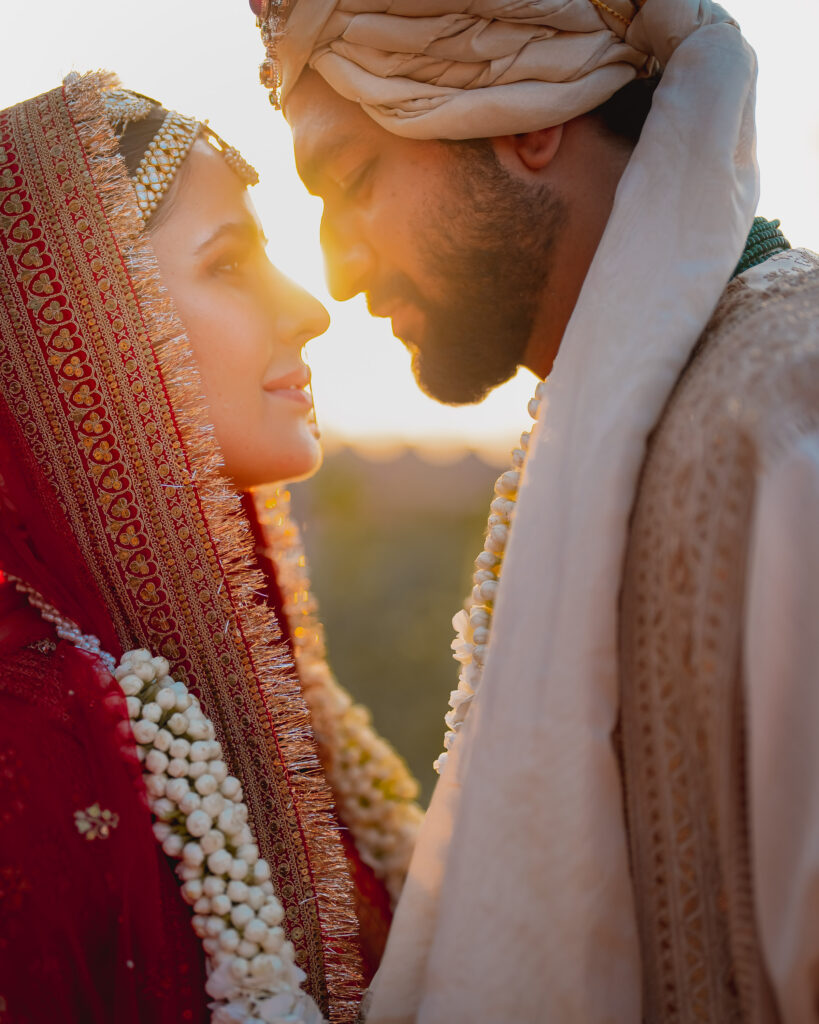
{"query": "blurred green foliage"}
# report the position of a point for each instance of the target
(391, 546)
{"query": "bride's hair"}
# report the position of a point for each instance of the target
(134, 143)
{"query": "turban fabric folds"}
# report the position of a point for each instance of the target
(447, 69)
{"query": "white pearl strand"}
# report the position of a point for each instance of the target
(64, 628)
(473, 622)
(203, 822)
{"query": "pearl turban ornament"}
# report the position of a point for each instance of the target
(440, 69)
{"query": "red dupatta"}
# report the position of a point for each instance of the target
(112, 507)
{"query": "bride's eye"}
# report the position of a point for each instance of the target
(239, 256)
(226, 265)
(230, 262)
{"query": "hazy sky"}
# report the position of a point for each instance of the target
(202, 58)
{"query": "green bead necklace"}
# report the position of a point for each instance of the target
(764, 240)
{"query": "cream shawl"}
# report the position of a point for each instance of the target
(519, 903)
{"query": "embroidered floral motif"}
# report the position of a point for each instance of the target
(44, 646)
(95, 823)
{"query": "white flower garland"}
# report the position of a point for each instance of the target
(473, 622)
(202, 820)
(375, 792)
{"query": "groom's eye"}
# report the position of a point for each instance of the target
(352, 184)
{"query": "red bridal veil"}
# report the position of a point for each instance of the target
(111, 507)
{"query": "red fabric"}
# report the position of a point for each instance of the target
(93, 928)
(373, 909)
(36, 540)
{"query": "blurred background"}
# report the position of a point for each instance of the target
(396, 516)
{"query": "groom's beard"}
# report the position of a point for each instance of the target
(491, 249)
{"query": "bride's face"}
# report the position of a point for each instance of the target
(246, 323)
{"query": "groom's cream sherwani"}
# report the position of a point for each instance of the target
(719, 632)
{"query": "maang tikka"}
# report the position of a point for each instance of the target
(168, 148)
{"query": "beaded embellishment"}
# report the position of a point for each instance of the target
(162, 159)
(270, 18)
(764, 240)
(168, 148)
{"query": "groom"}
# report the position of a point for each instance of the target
(627, 826)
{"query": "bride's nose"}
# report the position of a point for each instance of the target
(299, 315)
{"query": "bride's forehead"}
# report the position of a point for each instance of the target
(206, 196)
(206, 175)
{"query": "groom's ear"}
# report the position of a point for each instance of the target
(531, 151)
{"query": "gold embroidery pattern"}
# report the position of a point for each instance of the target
(95, 823)
(682, 686)
(83, 328)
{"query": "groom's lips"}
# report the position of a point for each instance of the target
(405, 319)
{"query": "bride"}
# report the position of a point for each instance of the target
(194, 817)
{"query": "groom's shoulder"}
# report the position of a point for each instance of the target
(750, 390)
(753, 381)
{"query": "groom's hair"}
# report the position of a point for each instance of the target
(621, 116)
(624, 114)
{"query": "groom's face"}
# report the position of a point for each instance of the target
(438, 235)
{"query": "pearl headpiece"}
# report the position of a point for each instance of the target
(168, 148)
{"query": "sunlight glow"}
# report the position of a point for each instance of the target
(202, 59)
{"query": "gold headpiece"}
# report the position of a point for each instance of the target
(168, 148)
(270, 18)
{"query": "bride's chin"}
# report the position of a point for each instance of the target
(300, 457)
(306, 466)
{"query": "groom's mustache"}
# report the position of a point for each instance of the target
(396, 290)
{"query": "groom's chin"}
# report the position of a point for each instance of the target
(452, 384)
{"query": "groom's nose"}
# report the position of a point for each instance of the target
(349, 261)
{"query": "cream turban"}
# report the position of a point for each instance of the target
(457, 69)
(518, 905)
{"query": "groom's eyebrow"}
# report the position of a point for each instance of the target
(313, 167)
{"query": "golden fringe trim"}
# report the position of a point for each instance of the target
(374, 789)
(282, 706)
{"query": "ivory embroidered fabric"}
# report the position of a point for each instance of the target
(113, 509)
(748, 396)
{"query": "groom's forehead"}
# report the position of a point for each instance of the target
(313, 107)
(324, 125)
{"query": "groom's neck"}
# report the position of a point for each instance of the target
(585, 174)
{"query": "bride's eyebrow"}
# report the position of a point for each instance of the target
(241, 230)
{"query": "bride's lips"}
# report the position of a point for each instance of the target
(293, 387)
